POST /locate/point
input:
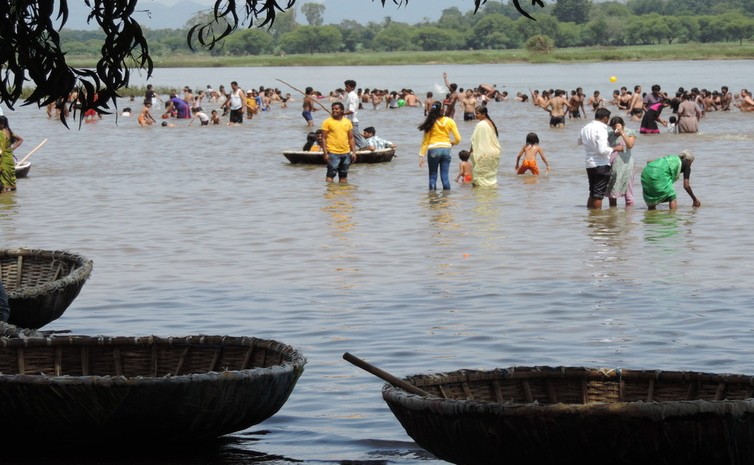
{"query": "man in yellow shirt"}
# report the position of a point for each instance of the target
(338, 144)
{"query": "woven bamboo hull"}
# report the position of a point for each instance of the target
(316, 158)
(22, 170)
(168, 390)
(578, 415)
(41, 284)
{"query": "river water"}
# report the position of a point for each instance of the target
(210, 230)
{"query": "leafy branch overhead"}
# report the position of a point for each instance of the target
(31, 51)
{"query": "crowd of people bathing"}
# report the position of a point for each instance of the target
(479, 164)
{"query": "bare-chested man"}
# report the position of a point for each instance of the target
(557, 106)
(596, 101)
(468, 103)
(624, 99)
(746, 103)
(726, 98)
(411, 99)
(308, 106)
(574, 105)
(428, 102)
(636, 106)
(450, 107)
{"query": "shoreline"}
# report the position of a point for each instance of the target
(663, 52)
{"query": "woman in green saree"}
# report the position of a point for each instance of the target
(659, 175)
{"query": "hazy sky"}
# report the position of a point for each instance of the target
(174, 14)
(365, 11)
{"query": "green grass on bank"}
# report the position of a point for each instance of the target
(673, 52)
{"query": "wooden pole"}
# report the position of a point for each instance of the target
(304, 94)
(397, 382)
(32, 151)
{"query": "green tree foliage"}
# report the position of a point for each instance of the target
(540, 44)
(312, 39)
(490, 32)
(314, 13)
(395, 37)
(435, 38)
(572, 11)
(355, 35)
(249, 42)
(735, 27)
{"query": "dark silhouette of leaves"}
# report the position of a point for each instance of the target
(31, 48)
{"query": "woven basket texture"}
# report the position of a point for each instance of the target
(583, 415)
(41, 284)
(82, 389)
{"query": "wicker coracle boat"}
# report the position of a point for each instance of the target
(41, 284)
(362, 156)
(22, 169)
(138, 390)
(576, 415)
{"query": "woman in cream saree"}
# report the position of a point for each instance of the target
(485, 150)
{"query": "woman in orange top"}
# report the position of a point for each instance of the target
(440, 134)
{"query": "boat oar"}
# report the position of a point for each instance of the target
(304, 94)
(397, 382)
(32, 151)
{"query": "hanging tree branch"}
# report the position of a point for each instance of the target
(31, 49)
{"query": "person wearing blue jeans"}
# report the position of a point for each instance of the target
(440, 134)
(439, 158)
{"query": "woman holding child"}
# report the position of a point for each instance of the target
(485, 149)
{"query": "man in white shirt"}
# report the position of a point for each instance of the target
(352, 106)
(593, 137)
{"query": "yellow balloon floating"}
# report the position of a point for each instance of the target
(613, 78)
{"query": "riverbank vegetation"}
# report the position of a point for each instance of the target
(567, 30)
(672, 52)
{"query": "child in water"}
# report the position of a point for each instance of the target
(529, 152)
(464, 175)
(672, 122)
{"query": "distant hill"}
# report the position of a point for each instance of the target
(167, 14)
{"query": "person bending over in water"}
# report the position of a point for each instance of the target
(658, 177)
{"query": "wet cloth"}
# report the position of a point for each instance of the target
(485, 154)
(649, 120)
(658, 177)
(530, 165)
(688, 117)
(622, 173)
(7, 164)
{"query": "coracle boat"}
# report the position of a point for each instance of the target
(41, 284)
(362, 156)
(22, 169)
(578, 415)
(75, 390)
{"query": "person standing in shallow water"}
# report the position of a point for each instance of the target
(440, 134)
(622, 163)
(485, 149)
(338, 144)
(594, 138)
